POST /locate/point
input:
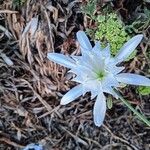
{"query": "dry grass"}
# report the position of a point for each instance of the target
(31, 86)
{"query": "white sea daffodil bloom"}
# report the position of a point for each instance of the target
(96, 72)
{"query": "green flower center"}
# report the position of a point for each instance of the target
(101, 75)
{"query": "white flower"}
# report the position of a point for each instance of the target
(33, 147)
(96, 71)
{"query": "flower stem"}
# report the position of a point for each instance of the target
(140, 116)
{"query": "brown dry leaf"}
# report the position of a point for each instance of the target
(31, 89)
(54, 11)
(21, 111)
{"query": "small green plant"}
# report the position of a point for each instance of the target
(18, 3)
(90, 8)
(110, 30)
(144, 90)
(141, 22)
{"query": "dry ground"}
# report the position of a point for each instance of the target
(31, 87)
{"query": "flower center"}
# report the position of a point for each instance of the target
(100, 75)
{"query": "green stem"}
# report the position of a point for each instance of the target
(142, 117)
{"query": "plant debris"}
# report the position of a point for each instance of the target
(31, 86)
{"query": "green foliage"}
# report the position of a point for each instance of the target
(91, 32)
(144, 90)
(110, 30)
(18, 3)
(109, 103)
(141, 22)
(90, 8)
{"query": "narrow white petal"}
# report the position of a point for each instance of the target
(115, 69)
(84, 91)
(110, 90)
(106, 51)
(78, 79)
(128, 48)
(135, 79)
(84, 41)
(61, 59)
(93, 94)
(76, 58)
(110, 81)
(72, 95)
(99, 110)
(92, 85)
(83, 72)
(87, 60)
(33, 146)
(97, 47)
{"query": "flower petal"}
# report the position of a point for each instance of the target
(61, 59)
(110, 90)
(93, 94)
(76, 58)
(106, 51)
(135, 79)
(83, 71)
(110, 81)
(99, 110)
(115, 69)
(97, 47)
(84, 41)
(92, 85)
(128, 48)
(34, 147)
(72, 95)
(78, 79)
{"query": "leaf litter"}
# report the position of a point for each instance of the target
(31, 86)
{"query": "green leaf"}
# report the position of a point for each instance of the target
(109, 103)
(143, 90)
(90, 8)
(140, 116)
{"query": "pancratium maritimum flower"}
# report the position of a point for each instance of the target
(96, 71)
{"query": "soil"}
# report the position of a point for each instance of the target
(31, 88)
